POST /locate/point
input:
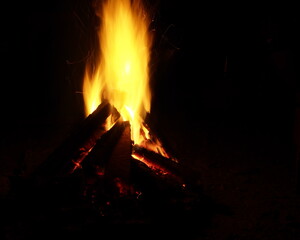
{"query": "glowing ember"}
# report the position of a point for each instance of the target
(122, 76)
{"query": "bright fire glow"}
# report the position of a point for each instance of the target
(122, 75)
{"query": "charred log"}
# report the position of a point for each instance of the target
(108, 164)
(119, 163)
(158, 163)
(97, 160)
(76, 147)
(122, 182)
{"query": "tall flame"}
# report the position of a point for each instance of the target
(122, 75)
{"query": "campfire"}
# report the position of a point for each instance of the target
(121, 75)
(114, 162)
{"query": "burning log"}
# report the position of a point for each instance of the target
(110, 158)
(76, 147)
(119, 163)
(121, 181)
(107, 169)
(97, 159)
(157, 162)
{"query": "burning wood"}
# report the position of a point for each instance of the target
(97, 159)
(75, 148)
(157, 162)
(112, 166)
(120, 77)
(113, 154)
(119, 163)
(113, 157)
(109, 160)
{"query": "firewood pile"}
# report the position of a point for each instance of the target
(100, 176)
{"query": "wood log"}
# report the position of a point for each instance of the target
(158, 163)
(108, 163)
(67, 158)
(150, 185)
(118, 165)
(97, 159)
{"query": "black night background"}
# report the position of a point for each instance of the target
(226, 97)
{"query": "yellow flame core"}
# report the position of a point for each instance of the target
(122, 76)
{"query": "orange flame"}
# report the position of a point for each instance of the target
(122, 76)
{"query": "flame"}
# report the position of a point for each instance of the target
(122, 75)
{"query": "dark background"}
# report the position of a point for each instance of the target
(225, 97)
(44, 47)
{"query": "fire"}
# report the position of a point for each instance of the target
(122, 75)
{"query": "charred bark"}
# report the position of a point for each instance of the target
(158, 163)
(96, 162)
(68, 157)
(119, 163)
(107, 168)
